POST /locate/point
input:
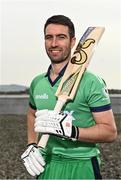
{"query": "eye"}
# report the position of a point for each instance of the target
(47, 37)
(61, 37)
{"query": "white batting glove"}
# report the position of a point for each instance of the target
(52, 122)
(33, 160)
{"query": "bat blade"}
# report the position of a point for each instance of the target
(79, 62)
(75, 69)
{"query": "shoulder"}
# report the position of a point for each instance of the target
(37, 79)
(88, 75)
(92, 84)
(90, 78)
(95, 90)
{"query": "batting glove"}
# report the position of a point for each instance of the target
(52, 122)
(33, 160)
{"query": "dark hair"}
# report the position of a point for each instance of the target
(63, 20)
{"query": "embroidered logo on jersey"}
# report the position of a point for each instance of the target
(41, 96)
(105, 93)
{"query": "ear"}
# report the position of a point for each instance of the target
(73, 41)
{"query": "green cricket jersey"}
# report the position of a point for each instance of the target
(91, 97)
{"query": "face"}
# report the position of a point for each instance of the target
(58, 43)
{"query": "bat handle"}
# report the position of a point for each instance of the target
(60, 103)
(44, 138)
(43, 141)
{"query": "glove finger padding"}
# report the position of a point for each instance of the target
(33, 165)
(36, 166)
(41, 112)
(33, 160)
(56, 123)
(37, 155)
(28, 167)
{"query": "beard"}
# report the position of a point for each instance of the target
(59, 59)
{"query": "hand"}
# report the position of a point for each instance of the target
(52, 122)
(33, 160)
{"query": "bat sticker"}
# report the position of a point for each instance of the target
(80, 56)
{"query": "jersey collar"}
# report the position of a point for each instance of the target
(61, 73)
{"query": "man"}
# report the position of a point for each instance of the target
(71, 153)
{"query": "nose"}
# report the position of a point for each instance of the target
(54, 42)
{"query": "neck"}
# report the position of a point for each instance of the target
(56, 68)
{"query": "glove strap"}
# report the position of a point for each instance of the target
(75, 132)
(34, 144)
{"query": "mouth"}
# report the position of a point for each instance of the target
(54, 52)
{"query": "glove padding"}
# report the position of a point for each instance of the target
(52, 122)
(33, 160)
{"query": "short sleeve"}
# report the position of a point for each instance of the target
(97, 95)
(32, 88)
(31, 96)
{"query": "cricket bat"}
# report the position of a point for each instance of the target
(74, 71)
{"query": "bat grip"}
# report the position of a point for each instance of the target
(44, 138)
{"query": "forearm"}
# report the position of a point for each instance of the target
(103, 131)
(32, 135)
(97, 133)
